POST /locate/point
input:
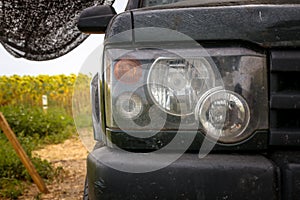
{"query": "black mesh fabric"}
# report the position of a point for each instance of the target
(42, 29)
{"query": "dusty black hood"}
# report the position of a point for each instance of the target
(264, 25)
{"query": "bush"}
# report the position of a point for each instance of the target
(33, 127)
(13, 172)
(35, 122)
(11, 166)
(10, 188)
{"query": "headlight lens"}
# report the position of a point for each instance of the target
(128, 70)
(224, 115)
(129, 106)
(175, 85)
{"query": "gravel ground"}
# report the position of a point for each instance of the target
(71, 157)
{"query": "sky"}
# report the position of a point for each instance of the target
(67, 64)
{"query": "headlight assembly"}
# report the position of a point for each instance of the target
(221, 93)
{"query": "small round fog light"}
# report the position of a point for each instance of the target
(224, 115)
(129, 105)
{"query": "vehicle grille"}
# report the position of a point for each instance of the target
(285, 98)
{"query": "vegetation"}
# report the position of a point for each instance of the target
(35, 124)
(21, 104)
(33, 128)
(28, 90)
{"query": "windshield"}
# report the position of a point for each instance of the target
(148, 3)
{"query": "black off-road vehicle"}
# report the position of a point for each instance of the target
(181, 76)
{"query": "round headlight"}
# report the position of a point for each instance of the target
(224, 115)
(176, 84)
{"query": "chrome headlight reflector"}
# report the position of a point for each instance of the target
(175, 84)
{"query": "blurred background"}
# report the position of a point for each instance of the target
(36, 100)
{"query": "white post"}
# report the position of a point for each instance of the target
(45, 102)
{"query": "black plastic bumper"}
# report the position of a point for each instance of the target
(213, 177)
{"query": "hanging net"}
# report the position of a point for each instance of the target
(42, 29)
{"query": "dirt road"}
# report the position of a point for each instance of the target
(71, 157)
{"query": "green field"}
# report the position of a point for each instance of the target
(21, 104)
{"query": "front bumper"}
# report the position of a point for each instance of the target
(213, 177)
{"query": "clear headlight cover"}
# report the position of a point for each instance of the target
(220, 92)
(224, 114)
(175, 85)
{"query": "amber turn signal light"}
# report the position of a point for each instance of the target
(128, 71)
